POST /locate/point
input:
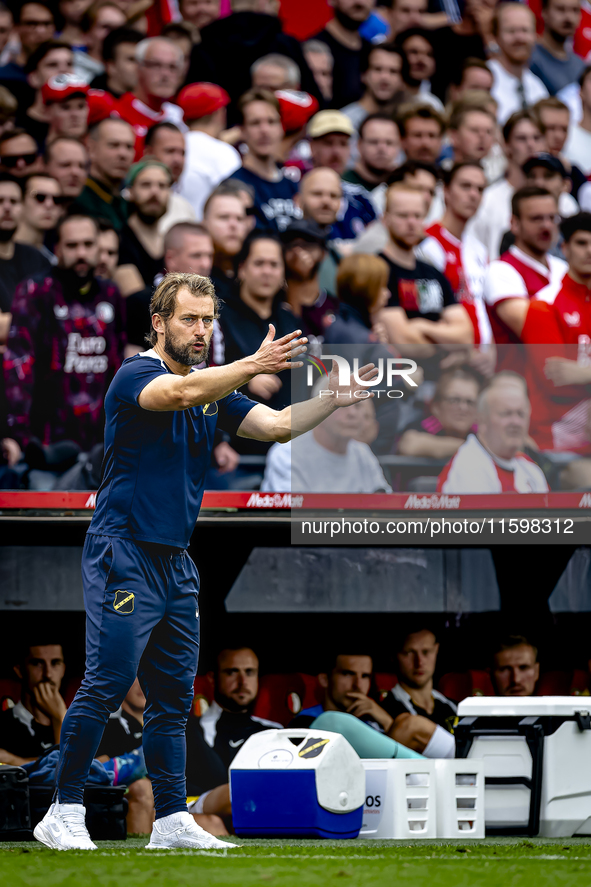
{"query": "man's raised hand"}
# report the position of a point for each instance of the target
(349, 394)
(275, 355)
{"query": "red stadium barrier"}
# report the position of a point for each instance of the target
(249, 501)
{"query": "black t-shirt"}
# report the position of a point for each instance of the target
(123, 734)
(26, 262)
(226, 287)
(243, 331)
(22, 735)
(213, 741)
(398, 702)
(137, 316)
(346, 74)
(132, 252)
(422, 291)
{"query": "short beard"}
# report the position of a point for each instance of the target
(228, 704)
(402, 244)
(183, 354)
(7, 234)
(378, 173)
(346, 21)
(149, 219)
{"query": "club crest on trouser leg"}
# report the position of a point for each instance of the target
(124, 601)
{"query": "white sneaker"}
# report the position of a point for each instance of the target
(64, 828)
(179, 830)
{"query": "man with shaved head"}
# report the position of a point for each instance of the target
(319, 198)
(493, 461)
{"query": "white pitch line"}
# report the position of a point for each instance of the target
(344, 858)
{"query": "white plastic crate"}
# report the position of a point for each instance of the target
(400, 799)
(459, 791)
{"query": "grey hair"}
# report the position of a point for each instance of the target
(143, 46)
(311, 46)
(504, 379)
(293, 75)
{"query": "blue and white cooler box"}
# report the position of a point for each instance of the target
(301, 783)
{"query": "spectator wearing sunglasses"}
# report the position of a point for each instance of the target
(19, 154)
(42, 208)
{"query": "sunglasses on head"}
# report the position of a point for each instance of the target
(40, 197)
(10, 161)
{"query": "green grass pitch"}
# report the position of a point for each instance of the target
(291, 863)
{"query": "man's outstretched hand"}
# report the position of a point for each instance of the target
(275, 355)
(347, 395)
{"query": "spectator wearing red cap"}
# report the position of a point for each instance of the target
(208, 160)
(101, 105)
(295, 108)
(160, 68)
(52, 58)
(65, 97)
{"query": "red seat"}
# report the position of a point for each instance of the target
(202, 695)
(580, 683)
(458, 685)
(10, 691)
(69, 689)
(280, 697)
(313, 691)
(563, 683)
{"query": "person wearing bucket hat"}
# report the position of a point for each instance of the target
(66, 103)
(141, 244)
(208, 160)
(330, 134)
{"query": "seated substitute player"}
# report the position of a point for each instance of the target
(456, 253)
(493, 460)
(422, 718)
(213, 740)
(141, 587)
(34, 724)
(515, 668)
(348, 686)
(526, 267)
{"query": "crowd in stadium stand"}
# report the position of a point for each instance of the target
(231, 704)
(412, 174)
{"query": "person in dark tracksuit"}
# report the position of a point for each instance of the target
(140, 585)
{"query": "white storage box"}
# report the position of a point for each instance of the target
(399, 798)
(303, 783)
(537, 762)
(459, 789)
